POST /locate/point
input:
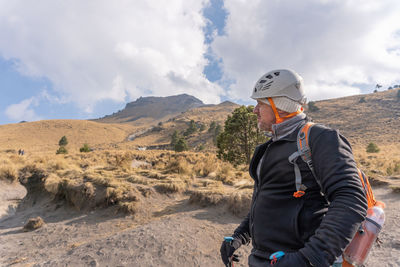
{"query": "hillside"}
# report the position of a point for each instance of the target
(151, 110)
(205, 115)
(363, 118)
(43, 136)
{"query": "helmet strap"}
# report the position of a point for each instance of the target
(278, 118)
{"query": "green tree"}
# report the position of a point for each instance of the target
(372, 148)
(63, 141)
(85, 148)
(240, 136)
(174, 138)
(181, 145)
(191, 129)
(217, 131)
(202, 127)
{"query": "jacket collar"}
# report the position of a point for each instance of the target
(284, 130)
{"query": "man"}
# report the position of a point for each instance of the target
(311, 229)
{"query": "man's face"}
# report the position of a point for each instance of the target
(265, 116)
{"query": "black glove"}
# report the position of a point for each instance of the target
(227, 250)
(292, 259)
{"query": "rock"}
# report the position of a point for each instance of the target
(33, 224)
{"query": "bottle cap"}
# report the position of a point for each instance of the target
(380, 204)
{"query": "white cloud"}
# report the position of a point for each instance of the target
(96, 50)
(23, 111)
(335, 45)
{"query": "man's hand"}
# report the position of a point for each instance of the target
(292, 259)
(227, 250)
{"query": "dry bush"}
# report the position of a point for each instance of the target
(205, 166)
(179, 165)
(171, 187)
(52, 183)
(239, 202)
(57, 164)
(207, 197)
(225, 173)
(8, 174)
(33, 224)
(153, 175)
(128, 207)
(137, 180)
(244, 184)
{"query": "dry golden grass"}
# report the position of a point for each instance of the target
(105, 178)
(43, 136)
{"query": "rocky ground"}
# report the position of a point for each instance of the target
(168, 231)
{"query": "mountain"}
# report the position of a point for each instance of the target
(150, 110)
(160, 135)
(362, 119)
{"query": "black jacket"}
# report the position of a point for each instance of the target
(317, 226)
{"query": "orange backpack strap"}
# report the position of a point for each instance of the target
(367, 188)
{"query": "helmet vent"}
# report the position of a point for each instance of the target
(269, 76)
(266, 86)
(277, 73)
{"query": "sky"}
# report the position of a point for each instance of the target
(86, 59)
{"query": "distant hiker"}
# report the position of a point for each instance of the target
(22, 152)
(298, 216)
(19, 151)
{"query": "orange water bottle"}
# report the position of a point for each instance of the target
(357, 251)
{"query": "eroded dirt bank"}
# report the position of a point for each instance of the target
(168, 231)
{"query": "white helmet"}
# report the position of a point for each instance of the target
(278, 83)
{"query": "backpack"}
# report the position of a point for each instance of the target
(304, 151)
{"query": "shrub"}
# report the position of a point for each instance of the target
(63, 141)
(213, 124)
(33, 224)
(362, 100)
(312, 107)
(181, 145)
(372, 148)
(8, 174)
(85, 148)
(398, 95)
(62, 150)
(191, 129)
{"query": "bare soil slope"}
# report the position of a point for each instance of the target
(168, 231)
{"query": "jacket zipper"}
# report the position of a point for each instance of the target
(258, 188)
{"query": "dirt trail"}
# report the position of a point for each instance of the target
(170, 232)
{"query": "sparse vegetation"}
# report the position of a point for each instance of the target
(62, 150)
(312, 106)
(191, 129)
(181, 145)
(8, 173)
(362, 99)
(63, 141)
(33, 224)
(372, 148)
(85, 148)
(398, 95)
